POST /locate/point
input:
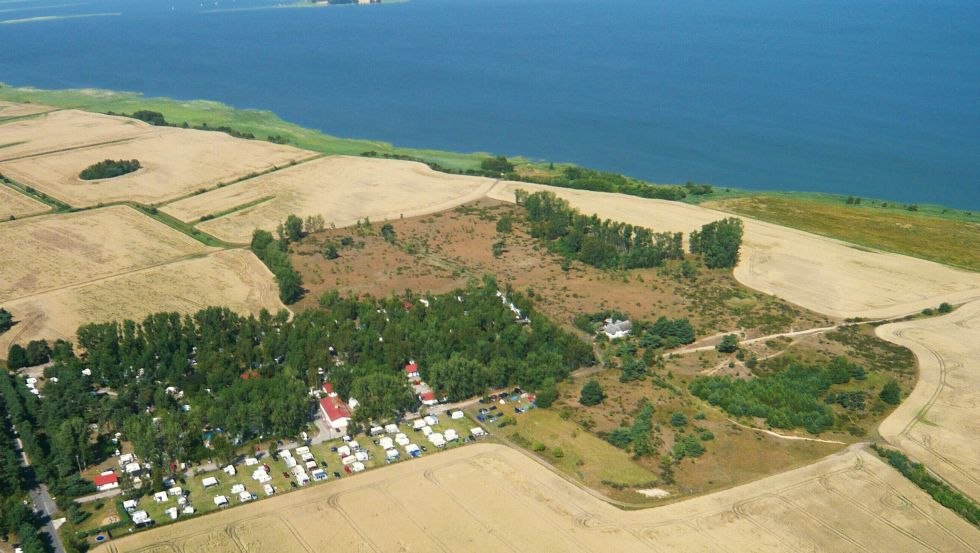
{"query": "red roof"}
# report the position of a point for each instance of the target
(334, 408)
(412, 367)
(251, 374)
(103, 479)
(427, 396)
(328, 387)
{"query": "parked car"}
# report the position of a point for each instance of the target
(324, 464)
(336, 474)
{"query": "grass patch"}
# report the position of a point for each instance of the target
(931, 232)
(584, 456)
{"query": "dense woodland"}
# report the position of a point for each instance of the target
(109, 168)
(173, 377)
(15, 482)
(790, 396)
(601, 243)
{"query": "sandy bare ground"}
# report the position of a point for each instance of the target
(13, 203)
(938, 423)
(12, 109)
(341, 188)
(58, 250)
(490, 498)
(230, 278)
(64, 129)
(175, 162)
(821, 274)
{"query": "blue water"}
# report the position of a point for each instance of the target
(871, 98)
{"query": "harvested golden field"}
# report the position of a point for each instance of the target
(938, 424)
(15, 204)
(10, 109)
(490, 498)
(886, 229)
(62, 130)
(175, 162)
(342, 189)
(825, 275)
(54, 251)
(230, 278)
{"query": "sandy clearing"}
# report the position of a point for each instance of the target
(52, 251)
(937, 424)
(489, 497)
(59, 130)
(12, 109)
(819, 273)
(175, 162)
(15, 204)
(230, 278)
(341, 188)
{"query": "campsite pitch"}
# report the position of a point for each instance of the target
(821, 274)
(340, 188)
(488, 497)
(174, 162)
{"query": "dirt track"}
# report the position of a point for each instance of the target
(491, 498)
(821, 274)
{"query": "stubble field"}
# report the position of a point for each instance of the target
(937, 424)
(10, 110)
(230, 278)
(45, 253)
(15, 204)
(175, 162)
(340, 188)
(62, 130)
(821, 274)
(488, 497)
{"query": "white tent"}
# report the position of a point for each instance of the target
(238, 488)
(244, 496)
(160, 497)
(431, 421)
(362, 455)
(188, 510)
(451, 435)
(385, 442)
(220, 500)
(172, 513)
(285, 454)
(426, 430)
(290, 462)
(456, 415)
(268, 489)
(209, 481)
(376, 430)
(478, 432)
(413, 450)
(402, 440)
(391, 453)
(230, 470)
(437, 439)
(354, 445)
(391, 428)
(357, 467)
(417, 424)
(343, 451)
(175, 491)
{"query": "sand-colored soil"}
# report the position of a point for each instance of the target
(821, 274)
(13, 203)
(58, 250)
(230, 278)
(341, 188)
(175, 162)
(12, 109)
(938, 423)
(490, 498)
(61, 130)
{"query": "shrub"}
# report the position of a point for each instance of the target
(890, 392)
(728, 344)
(677, 419)
(592, 393)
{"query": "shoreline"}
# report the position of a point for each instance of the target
(200, 111)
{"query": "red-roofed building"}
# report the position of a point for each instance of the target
(428, 397)
(412, 370)
(106, 482)
(328, 389)
(335, 412)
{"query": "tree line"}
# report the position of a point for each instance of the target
(601, 243)
(275, 255)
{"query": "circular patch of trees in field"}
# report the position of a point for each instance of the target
(109, 168)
